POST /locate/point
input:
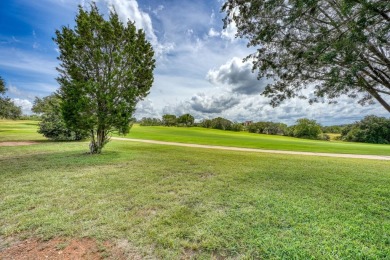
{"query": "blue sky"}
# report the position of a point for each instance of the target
(199, 64)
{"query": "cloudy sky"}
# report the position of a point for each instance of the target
(199, 64)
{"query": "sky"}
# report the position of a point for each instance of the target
(199, 69)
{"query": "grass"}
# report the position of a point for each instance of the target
(19, 130)
(177, 202)
(249, 140)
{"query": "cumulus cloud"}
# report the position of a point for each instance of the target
(213, 104)
(146, 108)
(25, 104)
(130, 10)
(239, 75)
(213, 33)
(229, 33)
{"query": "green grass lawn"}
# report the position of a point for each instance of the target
(243, 139)
(19, 130)
(175, 202)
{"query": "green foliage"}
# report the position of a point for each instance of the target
(206, 123)
(221, 123)
(31, 117)
(147, 121)
(169, 120)
(3, 89)
(8, 109)
(334, 129)
(106, 67)
(52, 124)
(306, 128)
(186, 120)
(237, 127)
(267, 128)
(341, 47)
(371, 129)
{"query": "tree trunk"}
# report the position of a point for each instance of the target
(97, 143)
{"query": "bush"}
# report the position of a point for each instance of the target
(371, 129)
(306, 128)
(186, 120)
(237, 127)
(169, 120)
(147, 121)
(52, 125)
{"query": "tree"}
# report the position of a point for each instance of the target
(221, 123)
(306, 128)
(3, 89)
(52, 124)
(146, 121)
(169, 120)
(340, 47)
(206, 123)
(371, 129)
(8, 109)
(186, 119)
(106, 68)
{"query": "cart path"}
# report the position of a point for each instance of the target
(229, 148)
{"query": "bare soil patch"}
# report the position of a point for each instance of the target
(17, 143)
(62, 248)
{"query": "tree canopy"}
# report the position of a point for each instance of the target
(186, 119)
(106, 67)
(371, 129)
(8, 109)
(169, 120)
(341, 47)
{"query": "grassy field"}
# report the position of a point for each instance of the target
(173, 202)
(243, 139)
(19, 130)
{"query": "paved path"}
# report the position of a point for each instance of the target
(229, 148)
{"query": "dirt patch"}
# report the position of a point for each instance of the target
(62, 248)
(17, 143)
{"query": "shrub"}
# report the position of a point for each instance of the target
(306, 128)
(52, 125)
(237, 127)
(371, 129)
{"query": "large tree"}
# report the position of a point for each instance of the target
(106, 68)
(8, 109)
(340, 46)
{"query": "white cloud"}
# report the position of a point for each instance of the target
(25, 104)
(229, 33)
(238, 75)
(130, 10)
(146, 108)
(213, 33)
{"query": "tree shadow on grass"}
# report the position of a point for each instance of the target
(57, 161)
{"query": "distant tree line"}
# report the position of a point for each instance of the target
(169, 120)
(371, 129)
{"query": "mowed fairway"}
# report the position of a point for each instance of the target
(177, 202)
(198, 135)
